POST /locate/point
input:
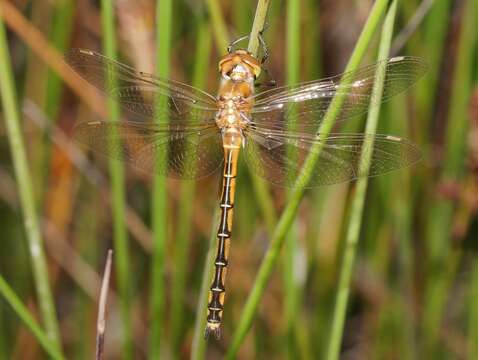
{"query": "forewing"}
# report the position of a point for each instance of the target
(306, 104)
(175, 151)
(143, 95)
(280, 159)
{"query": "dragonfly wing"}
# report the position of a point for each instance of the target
(279, 159)
(143, 95)
(172, 150)
(306, 104)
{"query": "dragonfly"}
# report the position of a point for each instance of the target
(177, 130)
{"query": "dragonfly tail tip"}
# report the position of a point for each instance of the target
(212, 329)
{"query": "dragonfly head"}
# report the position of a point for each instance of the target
(239, 66)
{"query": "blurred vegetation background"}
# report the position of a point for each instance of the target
(414, 284)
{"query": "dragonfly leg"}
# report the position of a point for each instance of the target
(235, 42)
(265, 49)
(271, 82)
(260, 36)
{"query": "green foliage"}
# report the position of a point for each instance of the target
(120, 235)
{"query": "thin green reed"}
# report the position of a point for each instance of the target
(164, 13)
(21, 310)
(260, 187)
(86, 239)
(399, 210)
(120, 235)
(472, 326)
(199, 343)
(25, 190)
(312, 55)
(431, 42)
(257, 26)
(60, 35)
(265, 203)
(218, 25)
(290, 211)
(51, 90)
(188, 189)
(35, 86)
(444, 260)
(292, 288)
(3, 339)
(313, 70)
(242, 11)
(356, 216)
(463, 83)
(293, 44)
(432, 46)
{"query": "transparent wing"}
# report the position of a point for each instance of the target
(172, 150)
(279, 159)
(144, 95)
(306, 104)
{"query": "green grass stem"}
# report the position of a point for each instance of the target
(260, 187)
(164, 14)
(463, 85)
(355, 222)
(221, 36)
(443, 264)
(36, 74)
(400, 216)
(473, 312)
(3, 339)
(120, 235)
(219, 27)
(242, 16)
(60, 36)
(188, 189)
(87, 238)
(313, 60)
(432, 45)
(291, 285)
(25, 190)
(21, 310)
(258, 25)
(222, 41)
(199, 343)
(290, 211)
(313, 70)
(265, 203)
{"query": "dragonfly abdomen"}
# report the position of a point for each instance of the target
(232, 144)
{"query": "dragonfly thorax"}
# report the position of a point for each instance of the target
(236, 90)
(233, 110)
